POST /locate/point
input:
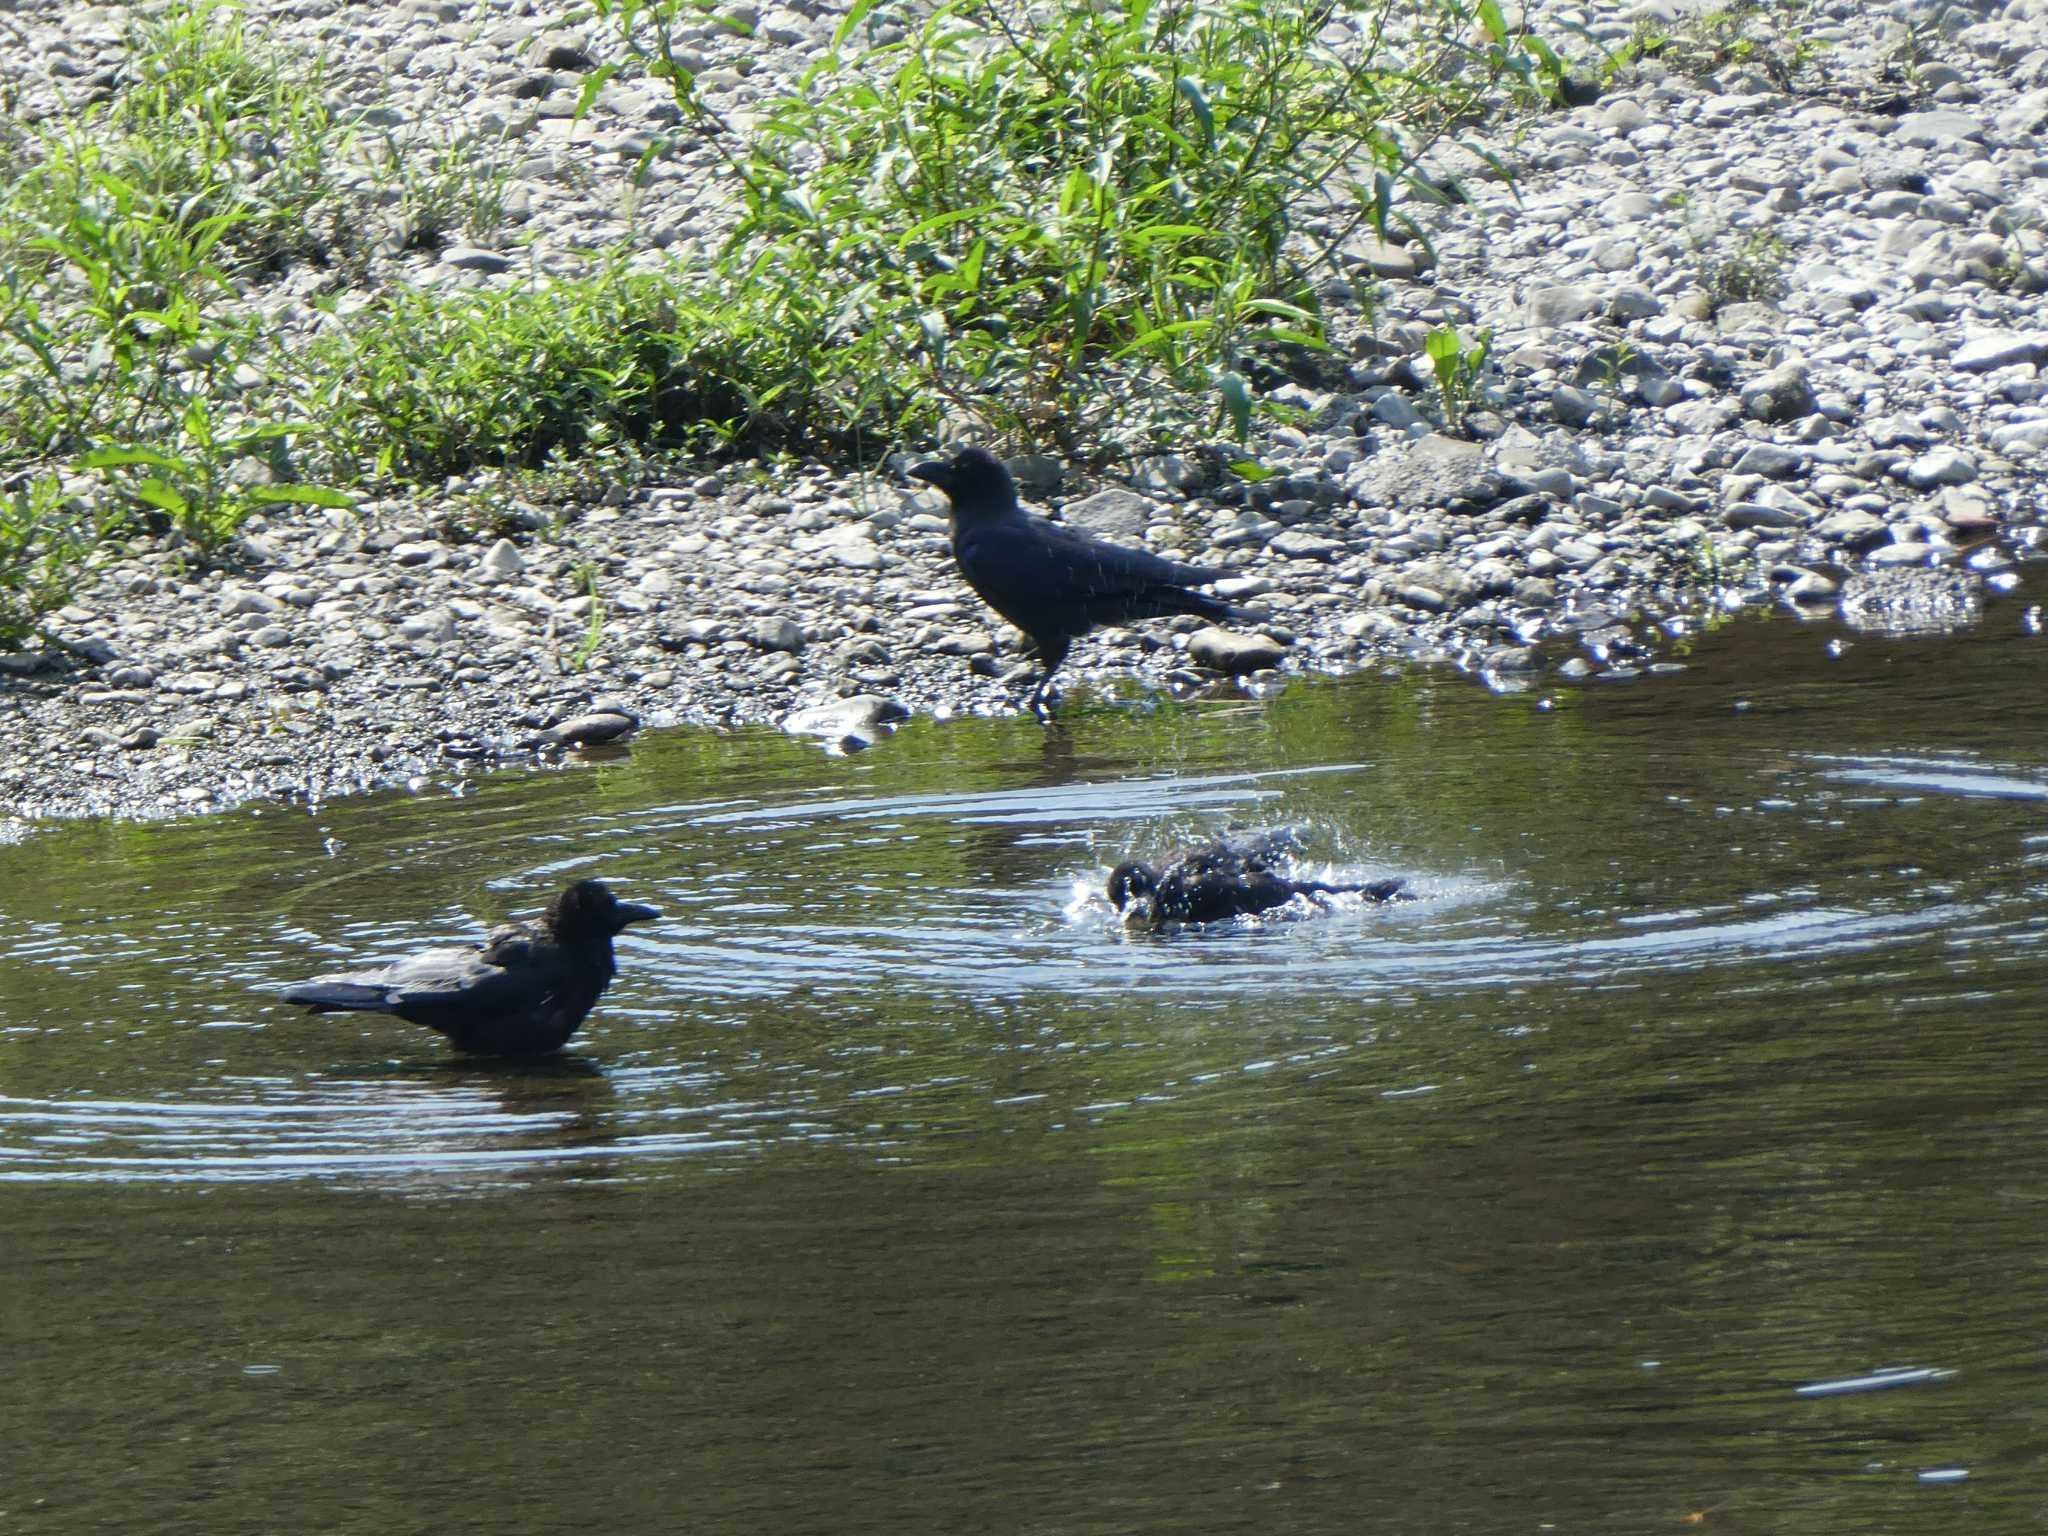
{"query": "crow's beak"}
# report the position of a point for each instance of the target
(633, 912)
(934, 471)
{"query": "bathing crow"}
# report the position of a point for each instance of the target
(522, 992)
(1055, 583)
(1225, 878)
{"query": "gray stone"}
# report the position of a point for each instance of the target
(1632, 301)
(1770, 461)
(1852, 529)
(777, 635)
(1982, 354)
(1038, 473)
(1930, 130)
(1432, 471)
(1783, 394)
(1811, 589)
(1384, 259)
(433, 625)
(1299, 544)
(1751, 514)
(1558, 304)
(1941, 466)
(848, 724)
(243, 600)
(1168, 472)
(1111, 514)
(587, 730)
(502, 561)
(1222, 651)
(1573, 407)
(472, 258)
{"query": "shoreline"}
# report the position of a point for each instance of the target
(1869, 440)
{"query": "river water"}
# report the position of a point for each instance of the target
(1679, 1158)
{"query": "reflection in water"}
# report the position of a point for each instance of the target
(895, 1182)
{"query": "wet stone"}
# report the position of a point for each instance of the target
(1221, 650)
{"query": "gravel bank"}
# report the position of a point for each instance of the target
(1866, 435)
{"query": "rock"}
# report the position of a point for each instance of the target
(1941, 466)
(1573, 407)
(1168, 472)
(1783, 394)
(502, 561)
(1038, 473)
(472, 258)
(1770, 461)
(1921, 600)
(1750, 514)
(434, 625)
(1222, 651)
(243, 600)
(1558, 304)
(1811, 589)
(1931, 130)
(777, 635)
(1299, 544)
(1111, 514)
(849, 724)
(586, 730)
(1384, 259)
(1433, 471)
(1852, 529)
(1983, 354)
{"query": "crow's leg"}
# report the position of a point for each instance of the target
(1050, 656)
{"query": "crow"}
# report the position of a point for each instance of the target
(521, 993)
(1225, 878)
(1055, 583)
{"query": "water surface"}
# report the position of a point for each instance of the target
(894, 1186)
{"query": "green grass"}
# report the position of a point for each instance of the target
(1016, 224)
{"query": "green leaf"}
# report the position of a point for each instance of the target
(301, 495)
(592, 84)
(1490, 18)
(162, 497)
(1191, 90)
(117, 458)
(1236, 395)
(854, 18)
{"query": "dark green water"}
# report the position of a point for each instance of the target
(893, 1188)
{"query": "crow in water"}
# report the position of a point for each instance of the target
(521, 993)
(1055, 583)
(1226, 878)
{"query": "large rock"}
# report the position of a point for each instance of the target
(1783, 394)
(847, 724)
(1222, 651)
(1433, 471)
(1110, 514)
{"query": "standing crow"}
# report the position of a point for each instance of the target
(521, 993)
(1055, 583)
(1225, 878)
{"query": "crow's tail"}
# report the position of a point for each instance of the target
(1395, 889)
(337, 994)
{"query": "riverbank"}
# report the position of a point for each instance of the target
(1761, 333)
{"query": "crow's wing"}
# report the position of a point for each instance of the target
(470, 978)
(1025, 560)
